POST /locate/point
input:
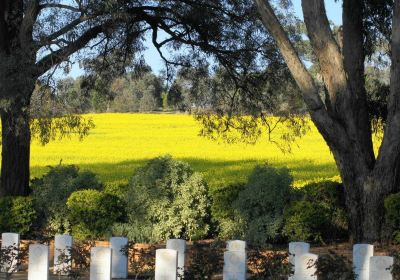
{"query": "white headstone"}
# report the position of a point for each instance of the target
(119, 258)
(38, 264)
(361, 258)
(100, 263)
(62, 245)
(379, 268)
(180, 246)
(305, 267)
(297, 249)
(10, 241)
(166, 264)
(235, 267)
(236, 245)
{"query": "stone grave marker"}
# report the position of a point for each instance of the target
(119, 258)
(236, 245)
(62, 245)
(100, 263)
(38, 264)
(297, 249)
(180, 246)
(379, 268)
(10, 241)
(235, 267)
(361, 259)
(304, 267)
(166, 264)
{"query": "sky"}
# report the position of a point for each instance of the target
(153, 59)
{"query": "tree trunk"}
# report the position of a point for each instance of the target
(15, 149)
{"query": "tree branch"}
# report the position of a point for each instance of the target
(59, 6)
(62, 54)
(326, 49)
(354, 57)
(330, 130)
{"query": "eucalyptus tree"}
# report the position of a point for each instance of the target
(39, 36)
(343, 115)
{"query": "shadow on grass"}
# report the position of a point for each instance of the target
(216, 172)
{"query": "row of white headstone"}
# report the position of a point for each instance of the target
(366, 266)
(105, 262)
(170, 262)
(112, 262)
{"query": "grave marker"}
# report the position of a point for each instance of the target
(236, 245)
(304, 267)
(119, 259)
(11, 241)
(100, 263)
(180, 246)
(166, 264)
(379, 268)
(297, 249)
(235, 267)
(361, 259)
(62, 245)
(38, 264)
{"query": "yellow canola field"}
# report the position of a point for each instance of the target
(122, 142)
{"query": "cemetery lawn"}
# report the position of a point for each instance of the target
(120, 143)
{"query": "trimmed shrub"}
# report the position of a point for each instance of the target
(92, 213)
(259, 207)
(167, 199)
(17, 214)
(51, 192)
(392, 208)
(307, 221)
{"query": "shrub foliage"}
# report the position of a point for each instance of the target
(261, 204)
(167, 199)
(92, 213)
(51, 192)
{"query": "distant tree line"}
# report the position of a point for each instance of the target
(191, 89)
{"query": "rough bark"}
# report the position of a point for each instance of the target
(15, 149)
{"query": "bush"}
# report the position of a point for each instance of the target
(92, 213)
(206, 261)
(116, 188)
(271, 265)
(334, 267)
(330, 195)
(223, 213)
(17, 214)
(166, 199)
(51, 192)
(260, 205)
(307, 221)
(392, 208)
(319, 215)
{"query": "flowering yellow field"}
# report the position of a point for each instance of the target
(122, 142)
